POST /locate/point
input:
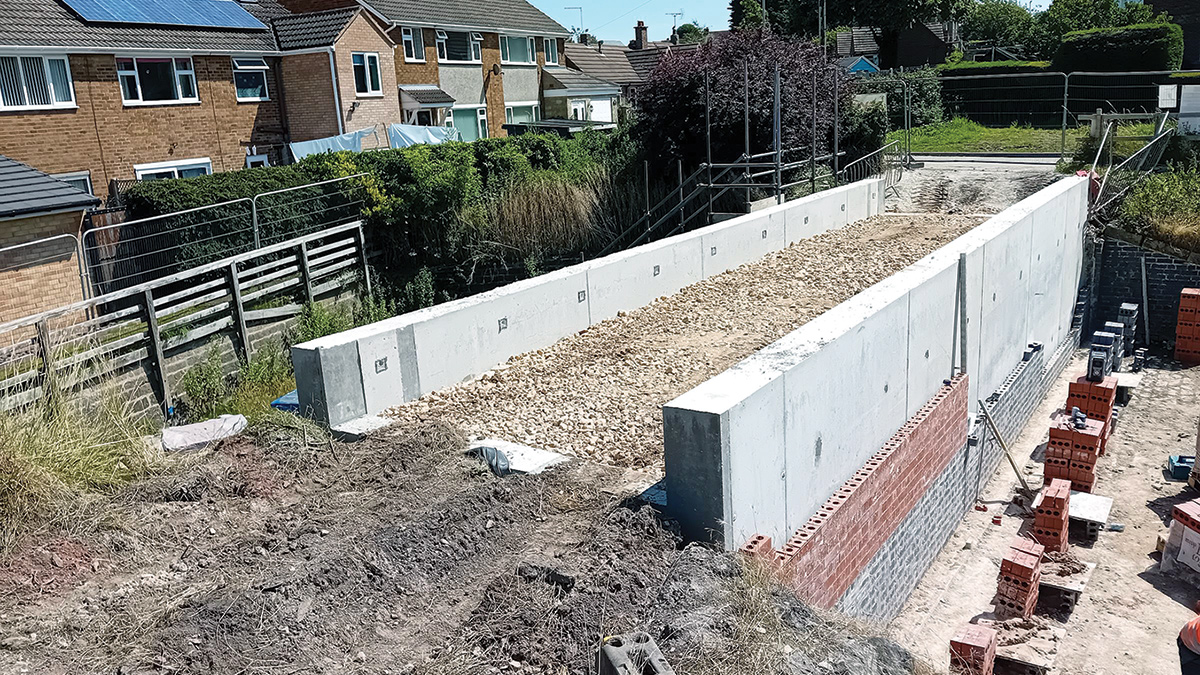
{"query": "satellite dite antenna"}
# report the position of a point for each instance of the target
(674, 19)
(581, 28)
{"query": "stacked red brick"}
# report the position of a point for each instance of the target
(1187, 328)
(825, 556)
(1072, 451)
(973, 650)
(1051, 515)
(1020, 574)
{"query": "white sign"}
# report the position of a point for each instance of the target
(871, 99)
(1189, 110)
(1189, 549)
(1168, 96)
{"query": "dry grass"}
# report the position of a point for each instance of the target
(547, 213)
(57, 455)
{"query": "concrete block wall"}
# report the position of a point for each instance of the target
(759, 448)
(371, 368)
(886, 581)
(1120, 280)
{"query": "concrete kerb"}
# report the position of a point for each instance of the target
(368, 369)
(815, 404)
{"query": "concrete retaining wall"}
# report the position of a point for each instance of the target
(366, 370)
(760, 447)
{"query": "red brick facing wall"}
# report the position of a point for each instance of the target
(493, 85)
(364, 35)
(416, 72)
(311, 111)
(106, 137)
(825, 556)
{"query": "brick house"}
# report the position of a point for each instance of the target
(471, 64)
(33, 207)
(92, 102)
(1186, 13)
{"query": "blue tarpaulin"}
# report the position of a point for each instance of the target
(351, 140)
(404, 135)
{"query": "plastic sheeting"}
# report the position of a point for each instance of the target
(404, 135)
(351, 140)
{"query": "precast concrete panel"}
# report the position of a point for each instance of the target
(740, 241)
(858, 201)
(1047, 267)
(382, 379)
(932, 336)
(635, 278)
(757, 465)
(1006, 303)
(517, 318)
(812, 215)
(843, 401)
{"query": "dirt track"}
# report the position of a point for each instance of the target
(970, 185)
(599, 394)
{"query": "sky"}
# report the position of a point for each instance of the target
(613, 20)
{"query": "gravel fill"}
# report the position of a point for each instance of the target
(598, 394)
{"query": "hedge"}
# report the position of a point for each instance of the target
(991, 67)
(1140, 47)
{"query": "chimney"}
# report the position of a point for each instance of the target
(640, 36)
(585, 39)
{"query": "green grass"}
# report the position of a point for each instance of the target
(963, 135)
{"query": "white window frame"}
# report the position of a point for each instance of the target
(476, 47)
(54, 103)
(441, 46)
(86, 176)
(409, 42)
(506, 55)
(174, 165)
(550, 45)
(250, 69)
(176, 73)
(508, 114)
(367, 56)
(260, 159)
(481, 121)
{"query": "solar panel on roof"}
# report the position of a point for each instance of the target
(196, 13)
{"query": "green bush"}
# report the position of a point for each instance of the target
(1149, 46)
(1165, 206)
(991, 67)
(863, 130)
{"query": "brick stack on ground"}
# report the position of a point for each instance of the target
(1073, 450)
(1020, 574)
(973, 650)
(1051, 519)
(1187, 327)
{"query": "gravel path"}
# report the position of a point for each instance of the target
(599, 393)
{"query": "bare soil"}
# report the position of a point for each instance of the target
(1129, 615)
(599, 394)
(974, 186)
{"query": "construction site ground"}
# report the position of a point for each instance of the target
(283, 552)
(1126, 621)
(964, 184)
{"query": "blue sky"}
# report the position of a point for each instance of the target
(613, 20)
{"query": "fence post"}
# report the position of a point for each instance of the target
(305, 271)
(156, 352)
(646, 185)
(1062, 154)
(239, 312)
(746, 125)
(679, 170)
(777, 128)
(837, 127)
(46, 354)
(708, 142)
(812, 188)
(254, 221)
(362, 249)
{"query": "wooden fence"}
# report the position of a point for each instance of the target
(133, 332)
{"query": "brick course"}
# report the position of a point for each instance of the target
(106, 137)
(1119, 279)
(365, 35)
(44, 276)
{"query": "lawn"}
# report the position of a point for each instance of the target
(1165, 206)
(963, 135)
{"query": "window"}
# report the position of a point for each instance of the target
(185, 168)
(156, 80)
(518, 49)
(459, 47)
(253, 161)
(481, 121)
(35, 82)
(521, 113)
(425, 118)
(551, 47)
(366, 74)
(508, 116)
(81, 180)
(250, 79)
(414, 44)
(442, 39)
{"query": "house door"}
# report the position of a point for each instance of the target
(579, 109)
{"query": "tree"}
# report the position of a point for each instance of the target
(746, 14)
(1002, 22)
(670, 105)
(690, 34)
